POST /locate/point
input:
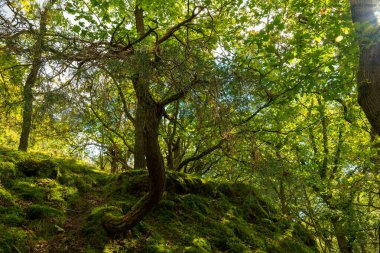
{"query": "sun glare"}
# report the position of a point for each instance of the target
(377, 14)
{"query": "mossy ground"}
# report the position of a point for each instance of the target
(57, 205)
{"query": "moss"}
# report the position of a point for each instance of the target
(6, 198)
(10, 212)
(130, 179)
(13, 239)
(38, 168)
(246, 233)
(15, 218)
(167, 204)
(36, 211)
(84, 183)
(28, 190)
(236, 246)
(289, 245)
(199, 245)
(7, 171)
(303, 235)
(66, 178)
(183, 184)
(81, 181)
(93, 228)
(197, 204)
(156, 244)
(43, 220)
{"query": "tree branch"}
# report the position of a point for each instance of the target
(201, 155)
(178, 26)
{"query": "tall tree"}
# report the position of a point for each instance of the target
(37, 51)
(368, 76)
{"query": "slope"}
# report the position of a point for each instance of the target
(58, 205)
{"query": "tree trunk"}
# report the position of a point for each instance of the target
(147, 148)
(139, 148)
(344, 245)
(27, 109)
(113, 153)
(139, 156)
(368, 76)
(152, 113)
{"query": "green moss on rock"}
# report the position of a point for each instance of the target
(29, 190)
(14, 239)
(38, 168)
(6, 198)
(36, 211)
(7, 171)
(93, 228)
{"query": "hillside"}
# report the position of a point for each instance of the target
(56, 205)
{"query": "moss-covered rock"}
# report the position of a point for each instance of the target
(6, 198)
(12, 216)
(38, 168)
(14, 239)
(7, 171)
(36, 211)
(29, 190)
(93, 228)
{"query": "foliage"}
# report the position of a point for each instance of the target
(248, 92)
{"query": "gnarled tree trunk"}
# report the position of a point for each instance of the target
(151, 115)
(363, 15)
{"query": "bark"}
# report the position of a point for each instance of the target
(27, 94)
(173, 146)
(139, 156)
(113, 153)
(368, 76)
(323, 169)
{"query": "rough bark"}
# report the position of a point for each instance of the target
(27, 109)
(368, 76)
(139, 156)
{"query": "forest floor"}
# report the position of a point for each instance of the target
(56, 205)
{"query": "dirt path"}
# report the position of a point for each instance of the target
(72, 239)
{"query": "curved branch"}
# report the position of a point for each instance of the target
(201, 155)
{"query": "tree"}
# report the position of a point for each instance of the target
(368, 76)
(37, 60)
(149, 62)
(14, 34)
